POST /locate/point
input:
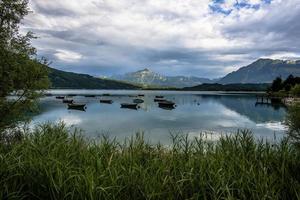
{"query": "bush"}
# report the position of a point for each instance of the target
(51, 163)
(296, 90)
(293, 122)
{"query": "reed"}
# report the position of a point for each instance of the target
(51, 162)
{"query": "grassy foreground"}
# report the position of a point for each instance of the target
(51, 163)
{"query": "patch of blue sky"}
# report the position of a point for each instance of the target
(218, 9)
(216, 6)
(267, 1)
(239, 5)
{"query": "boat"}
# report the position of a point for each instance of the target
(159, 100)
(138, 101)
(159, 97)
(129, 105)
(166, 103)
(141, 95)
(60, 97)
(167, 107)
(90, 95)
(106, 94)
(75, 106)
(132, 96)
(68, 100)
(108, 101)
(72, 95)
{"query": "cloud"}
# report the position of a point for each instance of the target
(284, 56)
(67, 56)
(205, 38)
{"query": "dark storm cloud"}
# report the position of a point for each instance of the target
(52, 11)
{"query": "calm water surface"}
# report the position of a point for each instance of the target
(196, 112)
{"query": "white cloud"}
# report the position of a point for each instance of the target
(68, 56)
(284, 56)
(128, 34)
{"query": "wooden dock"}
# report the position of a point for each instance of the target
(263, 99)
(267, 99)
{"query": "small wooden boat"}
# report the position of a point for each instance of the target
(159, 97)
(159, 100)
(60, 97)
(166, 104)
(141, 95)
(68, 100)
(138, 101)
(129, 105)
(106, 94)
(75, 106)
(167, 107)
(90, 96)
(108, 101)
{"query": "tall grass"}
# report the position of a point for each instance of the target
(51, 163)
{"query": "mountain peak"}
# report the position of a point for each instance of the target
(148, 77)
(262, 71)
(144, 70)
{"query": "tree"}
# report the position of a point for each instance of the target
(21, 73)
(296, 90)
(290, 80)
(277, 85)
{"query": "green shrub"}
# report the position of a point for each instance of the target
(296, 90)
(293, 122)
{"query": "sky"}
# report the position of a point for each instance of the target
(205, 38)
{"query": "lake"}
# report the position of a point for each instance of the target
(215, 113)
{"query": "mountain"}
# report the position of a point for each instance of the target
(70, 80)
(147, 77)
(263, 71)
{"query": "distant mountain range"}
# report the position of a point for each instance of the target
(65, 80)
(260, 71)
(263, 71)
(147, 77)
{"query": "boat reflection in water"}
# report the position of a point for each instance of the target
(167, 105)
(138, 101)
(107, 101)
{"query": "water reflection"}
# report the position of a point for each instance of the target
(166, 107)
(77, 108)
(194, 112)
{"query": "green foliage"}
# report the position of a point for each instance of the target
(277, 85)
(286, 85)
(296, 90)
(293, 121)
(51, 163)
(20, 73)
